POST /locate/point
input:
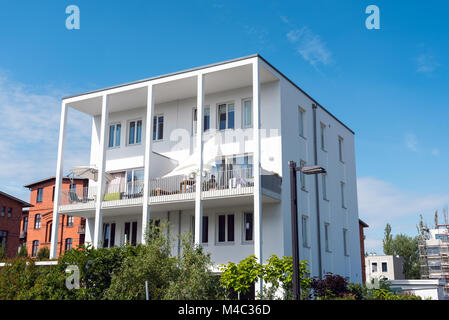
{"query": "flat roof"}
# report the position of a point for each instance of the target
(24, 203)
(208, 66)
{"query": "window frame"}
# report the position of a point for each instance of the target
(305, 231)
(340, 149)
(345, 242)
(3, 211)
(34, 248)
(128, 127)
(302, 176)
(37, 222)
(66, 242)
(40, 195)
(243, 113)
(323, 138)
(327, 237)
(372, 267)
(301, 122)
(244, 239)
(70, 221)
(9, 212)
(342, 191)
(382, 264)
(115, 124)
(227, 115)
(195, 122)
(226, 230)
(155, 128)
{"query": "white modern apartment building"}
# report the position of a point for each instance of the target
(388, 267)
(207, 149)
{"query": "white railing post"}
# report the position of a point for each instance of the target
(58, 182)
(98, 228)
(199, 151)
(148, 151)
(257, 170)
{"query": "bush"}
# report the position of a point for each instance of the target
(43, 253)
(332, 286)
(2, 253)
(22, 252)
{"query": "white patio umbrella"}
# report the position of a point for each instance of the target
(90, 172)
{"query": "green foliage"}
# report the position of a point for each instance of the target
(43, 253)
(2, 253)
(22, 252)
(276, 273)
(405, 247)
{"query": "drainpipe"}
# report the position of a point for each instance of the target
(317, 195)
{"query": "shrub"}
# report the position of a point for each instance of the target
(43, 253)
(330, 287)
(22, 252)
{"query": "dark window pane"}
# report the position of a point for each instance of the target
(160, 131)
(111, 135)
(231, 227)
(231, 116)
(127, 230)
(117, 135)
(205, 230)
(139, 131)
(112, 237)
(134, 234)
(248, 226)
(221, 228)
(222, 116)
(132, 128)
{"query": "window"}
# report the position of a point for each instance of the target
(374, 267)
(225, 116)
(384, 267)
(206, 118)
(342, 190)
(48, 232)
(9, 212)
(205, 236)
(340, 148)
(326, 237)
(345, 242)
(134, 181)
(35, 248)
(3, 239)
(324, 181)
(248, 220)
(134, 132)
(69, 221)
(247, 113)
(53, 195)
(2, 214)
(323, 136)
(302, 176)
(68, 244)
(158, 127)
(114, 135)
(40, 195)
(37, 221)
(226, 228)
(301, 117)
(109, 235)
(25, 224)
(304, 222)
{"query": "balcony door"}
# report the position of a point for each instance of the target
(130, 233)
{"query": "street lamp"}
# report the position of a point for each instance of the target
(294, 217)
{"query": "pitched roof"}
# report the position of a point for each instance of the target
(24, 204)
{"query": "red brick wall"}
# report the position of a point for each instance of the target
(11, 225)
(362, 250)
(45, 209)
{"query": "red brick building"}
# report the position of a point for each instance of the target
(362, 225)
(39, 220)
(10, 216)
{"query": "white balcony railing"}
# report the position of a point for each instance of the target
(217, 183)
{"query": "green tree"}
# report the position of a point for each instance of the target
(22, 252)
(405, 247)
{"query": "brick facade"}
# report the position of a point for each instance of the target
(10, 216)
(40, 218)
(362, 225)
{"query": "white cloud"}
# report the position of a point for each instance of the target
(426, 63)
(411, 142)
(310, 46)
(30, 130)
(381, 201)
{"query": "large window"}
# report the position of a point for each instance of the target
(158, 127)
(134, 132)
(134, 181)
(37, 221)
(225, 116)
(108, 235)
(114, 135)
(248, 222)
(3, 238)
(225, 228)
(35, 248)
(305, 237)
(40, 195)
(247, 113)
(301, 117)
(206, 119)
(68, 244)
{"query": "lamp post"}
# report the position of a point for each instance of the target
(294, 220)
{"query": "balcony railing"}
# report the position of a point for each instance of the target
(216, 183)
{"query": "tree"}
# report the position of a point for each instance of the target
(388, 240)
(405, 247)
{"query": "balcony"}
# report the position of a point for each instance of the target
(172, 189)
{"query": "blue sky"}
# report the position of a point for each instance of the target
(391, 86)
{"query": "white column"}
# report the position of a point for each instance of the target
(256, 168)
(199, 152)
(98, 228)
(58, 182)
(148, 151)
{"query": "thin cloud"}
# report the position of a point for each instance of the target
(426, 63)
(411, 142)
(30, 130)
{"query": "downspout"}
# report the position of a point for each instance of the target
(317, 196)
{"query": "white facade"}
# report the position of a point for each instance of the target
(426, 289)
(388, 267)
(257, 144)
